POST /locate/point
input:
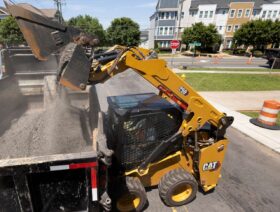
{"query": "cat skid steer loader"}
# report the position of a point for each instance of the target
(174, 139)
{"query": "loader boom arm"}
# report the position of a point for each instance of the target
(170, 85)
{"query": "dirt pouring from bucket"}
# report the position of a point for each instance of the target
(59, 129)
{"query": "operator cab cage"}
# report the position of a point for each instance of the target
(138, 124)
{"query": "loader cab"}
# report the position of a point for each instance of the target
(138, 124)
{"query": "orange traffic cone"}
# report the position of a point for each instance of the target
(268, 115)
(249, 61)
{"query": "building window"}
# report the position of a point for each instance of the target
(228, 45)
(182, 15)
(247, 12)
(200, 14)
(229, 28)
(164, 44)
(269, 14)
(254, 12)
(220, 28)
(161, 30)
(236, 27)
(161, 15)
(206, 14)
(239, 13)
(171, 31)
(211, 14)
(165, 31)
(274, 14)
(264, 14)
(172, 15)
(232, 13)
(224, 12)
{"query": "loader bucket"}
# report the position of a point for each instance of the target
(74, 67)
(43, 35)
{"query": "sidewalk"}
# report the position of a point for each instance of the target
(179, 71)
(227, 103)
(241, 100)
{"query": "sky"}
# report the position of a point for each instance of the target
(104, 10)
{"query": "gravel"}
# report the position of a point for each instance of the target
(57, 130)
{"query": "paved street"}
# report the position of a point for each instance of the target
(251, 100)
(233, 62)
(250, 177)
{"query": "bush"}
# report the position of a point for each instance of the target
(228, 51)
(239, 52)
(257, 53)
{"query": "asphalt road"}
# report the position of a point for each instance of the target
(236, 62)
(250, 176)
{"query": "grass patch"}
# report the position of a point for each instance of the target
(234, 69)
(256, 115)
(233, 82)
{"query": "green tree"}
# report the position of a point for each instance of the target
(275, 33)
(10, 33)
(257, 33)
(123, 31)
(206, 35)
(88, 25)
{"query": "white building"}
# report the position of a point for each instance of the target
(167, 24)
(268, 11)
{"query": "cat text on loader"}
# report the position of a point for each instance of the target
(191, 156)
(174, 140)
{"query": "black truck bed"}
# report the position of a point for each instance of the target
(48, 160)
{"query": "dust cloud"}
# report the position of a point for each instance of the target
(59, 129)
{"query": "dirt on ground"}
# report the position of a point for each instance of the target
(59, 129)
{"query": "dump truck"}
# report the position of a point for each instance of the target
(48, 157)
(174, 139)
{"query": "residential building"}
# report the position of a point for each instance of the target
(267, 10)
(164, 23)
(53, 14)
(239, 13)
(144, 39)
(226, 15)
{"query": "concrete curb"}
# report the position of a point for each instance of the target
(269, 138)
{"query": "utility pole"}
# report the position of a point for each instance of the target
(58, 4)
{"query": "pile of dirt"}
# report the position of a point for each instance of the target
(59, 129)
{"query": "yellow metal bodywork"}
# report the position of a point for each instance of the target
(156, 72)
(184, 159)
(208, 155)
(162, 167)
(181, 193)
